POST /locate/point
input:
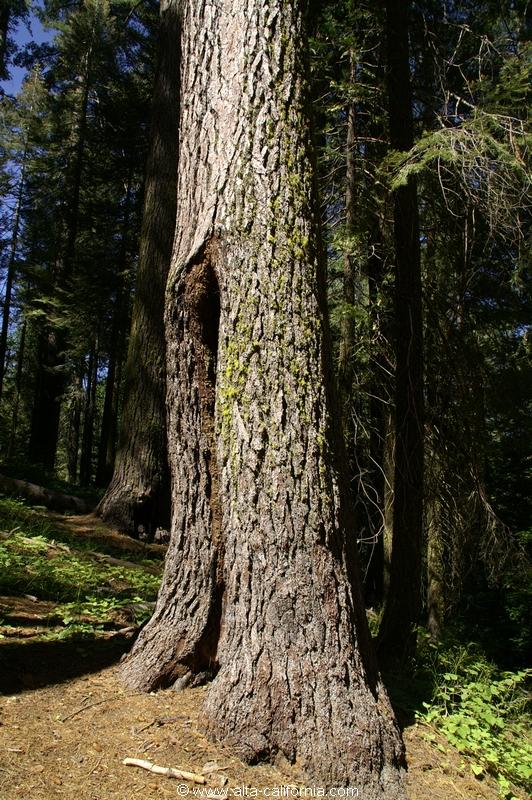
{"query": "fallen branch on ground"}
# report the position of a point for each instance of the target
(169, 772)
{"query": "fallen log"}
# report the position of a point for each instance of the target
(38, 495)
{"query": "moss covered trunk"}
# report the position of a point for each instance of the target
(261, 582)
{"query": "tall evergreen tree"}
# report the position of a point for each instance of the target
(262, 558)
(472, 80)
(81, 43)
(11, 12)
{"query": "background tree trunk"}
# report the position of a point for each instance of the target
(11, 270)
(352, 280)
(85, 465)
(261, 576)
(18, 389)
(138, 493)
(107, 442)
(379, 398)
(74, 426)
(50, 384)
(403, 602)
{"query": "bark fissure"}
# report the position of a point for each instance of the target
(202, 302)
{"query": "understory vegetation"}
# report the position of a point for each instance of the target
(456, 687)
(482, 710)
(41, 560)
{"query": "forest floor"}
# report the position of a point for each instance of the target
(67, 722)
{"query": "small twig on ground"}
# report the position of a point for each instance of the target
(145, 727)
(91, 705)
(85, 708)
(95, 767)
(169, 772)
(159, 721)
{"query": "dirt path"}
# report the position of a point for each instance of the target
(91, 527)
(68, 741)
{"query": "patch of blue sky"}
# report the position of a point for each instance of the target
(26, 32)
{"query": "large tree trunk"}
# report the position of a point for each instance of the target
(403, 602)
(261, 579)
(138, 493)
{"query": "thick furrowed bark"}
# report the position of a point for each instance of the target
(261, 580)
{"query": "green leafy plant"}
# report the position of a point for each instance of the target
(77, 631)
(482, 711)
(102, 608)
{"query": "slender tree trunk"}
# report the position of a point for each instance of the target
(11, 269)
(379, 395)
(350, 277)
(359, 291)
(435, 572)
(4, 25)
(107, 442)
(110, 453)
(261, 577)
(403, 603)
(388, 468)
(85, 467)
(139, 493)
(18, 389)
(74, 428)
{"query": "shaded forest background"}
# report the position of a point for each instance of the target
(424, 169)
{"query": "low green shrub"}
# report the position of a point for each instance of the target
(483, 711)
